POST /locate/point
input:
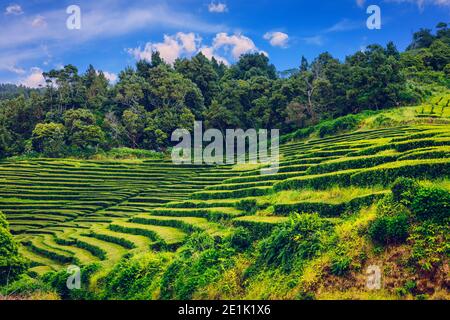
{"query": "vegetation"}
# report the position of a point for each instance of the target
(82, 114)
(362, 181)
(12, 263)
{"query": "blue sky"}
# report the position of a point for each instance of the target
(115, 33)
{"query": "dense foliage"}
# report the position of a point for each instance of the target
(11, 262)
(81, 114)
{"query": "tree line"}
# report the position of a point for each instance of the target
(81, 114)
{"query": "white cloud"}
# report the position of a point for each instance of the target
(170, 49)
(238, 44)
(277, 39)
(189, 41)
(110, 76)
(35, 79)
(217, 7)
(187, 44)
(14, 9)
(39, 22)
(209, 53)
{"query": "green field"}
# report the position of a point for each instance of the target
(84, 211)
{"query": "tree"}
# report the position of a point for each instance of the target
(201, 72)
(170, 89)
(296, 114)
(421, 39)
(134, 122)
(12, 264)
(443, 32)
(5, 138)
(130, 90)
(70, 91)
(162, 122)
(96, 86)
(82, 132)
(48, 139)
(440, 55)
(217, 116)
(252, 65)
(304, 66)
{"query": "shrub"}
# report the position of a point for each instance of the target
(386, 174)
(249, 206)
(340, 264)
(300, 239)
(327, 209)
(204, 265)
(26, 286)
(12, 264)
(240, 239)
(259, 229)
(58, 281)
(430, 244)
(421, 143)
(320, 181)
(242, 193)
(431, 203)
(389, 229)
(350, 163)
(404, 190)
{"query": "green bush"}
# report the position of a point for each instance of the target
(389, 229)
(320, 182)
(387, 174)
(404, 190)
(135, 278)
(421, 143)
(350, 163)
(430, 244)
(300, 239)
(258, 229)
(25, 286)
(203, 262)
(340, 265)
(249, 206)
(179, 224)
(242, 193)
(117, 240)
(12, 264)
(241, 239)
(327, 209)
(431, 203)
(58, 281)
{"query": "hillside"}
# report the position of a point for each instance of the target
(211, 232)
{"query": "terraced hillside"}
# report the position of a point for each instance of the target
(67, 211)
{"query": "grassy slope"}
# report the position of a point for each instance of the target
(67, 211)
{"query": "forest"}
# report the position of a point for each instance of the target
(83, 114)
